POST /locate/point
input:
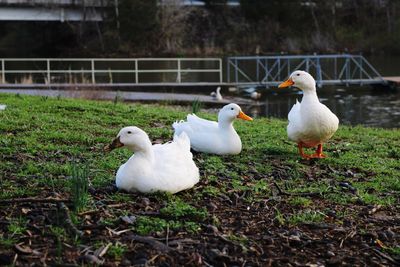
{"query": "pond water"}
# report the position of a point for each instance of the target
(352, 105)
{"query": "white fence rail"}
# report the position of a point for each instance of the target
(111, 71)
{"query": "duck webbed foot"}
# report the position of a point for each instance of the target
(301, 152)
(318, 153)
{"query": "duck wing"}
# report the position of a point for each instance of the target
(174, 166)
(193, 125)
(201, 123)
(294, 126)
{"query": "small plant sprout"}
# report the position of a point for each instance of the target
(196, 106)
(79, 185)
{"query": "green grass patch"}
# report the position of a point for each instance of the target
(8, 242)
(148, 225)
(181, 209)
(307, 216)
(300, 201)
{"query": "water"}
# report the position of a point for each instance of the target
(352, 105)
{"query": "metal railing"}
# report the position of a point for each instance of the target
(111, 71)
(327, 69)
(241, 71)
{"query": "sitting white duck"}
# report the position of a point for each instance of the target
(310, 122)
(168, 167)
(217, 94)
(212, 137)
(252, 92)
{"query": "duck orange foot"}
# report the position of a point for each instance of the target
(318, 153)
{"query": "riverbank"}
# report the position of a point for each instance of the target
(118, 96)
(264, 206)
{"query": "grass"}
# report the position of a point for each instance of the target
(43, 137)
(196, 106)
(17, 227)
(306, 216)
(117, 250)
(300, 201)
(150, 225)
(178, 209)
(79, 185)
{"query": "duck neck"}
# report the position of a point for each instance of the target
(225, 124)
(144, 150)
(310, 96)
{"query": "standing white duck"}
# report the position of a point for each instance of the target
(214, 137)
(217, 94)
(168, 167)
(310, 122)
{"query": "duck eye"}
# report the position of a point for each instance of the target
(129, 132)
(232, 108)
(298, 74)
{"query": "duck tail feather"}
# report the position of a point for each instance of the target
(183, 140)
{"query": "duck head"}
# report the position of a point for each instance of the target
(232, 111)
(131, 137)
(300, 79)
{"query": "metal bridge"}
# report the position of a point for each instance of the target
(254, 71)
(340, 69)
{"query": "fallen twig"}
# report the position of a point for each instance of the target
(100, 252)
(68, 220)
(184, 241)
(307, 194)
(385, 256)
(33, 200)
(151, 241)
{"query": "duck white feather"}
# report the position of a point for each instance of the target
(311, 123)
(165, 167)
(214, 137)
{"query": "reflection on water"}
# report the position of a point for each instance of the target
(353, 106)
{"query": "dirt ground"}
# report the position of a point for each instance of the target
(259, 238)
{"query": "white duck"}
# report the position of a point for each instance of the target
(252, 92)
(255, 95)
(168, 167)
(310, 122)
(217, 94)
(3, 107)
(214, 137)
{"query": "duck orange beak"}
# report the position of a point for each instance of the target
(115, 144)
(244, 116)
(287, 83)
